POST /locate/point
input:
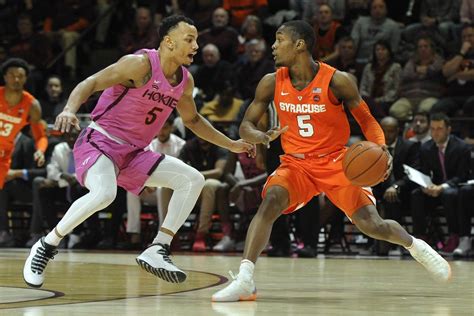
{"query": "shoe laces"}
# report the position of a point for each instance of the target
(164, 250)
(43, 254)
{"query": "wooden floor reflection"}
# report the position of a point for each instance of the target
(111, 283)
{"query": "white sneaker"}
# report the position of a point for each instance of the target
(35, 265)
(431, 260)
(463, 248)
(155, 260)
(240, 289)
(225, 244)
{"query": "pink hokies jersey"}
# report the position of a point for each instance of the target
(136, 115)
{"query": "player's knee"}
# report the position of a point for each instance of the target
(106, 196)
(197, 180)
(271, 207)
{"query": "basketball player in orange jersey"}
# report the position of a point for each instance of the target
(311, 98)
(17, 109)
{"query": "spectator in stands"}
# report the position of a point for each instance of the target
(210, 160)
(312, 9)
(61, 186)
(224, 107)
(33, 47)
(244, 193)
(393, 195)
(446, 158)
(421, 128)
(222, 35)
(253, 68)
(239, 9)
(54, 101)
(466, 198)
(345, 58)
(142, 34)
(369, 30)
(437, 17)
(380, 81)
(18, 183)
(102, 8)
(467, 12)
(421, 81)
(459, 72)
(328, 32)
(168, 144)
(404, 12)
(210, 76)
(64, 23)
(200, 11)
(251, 29)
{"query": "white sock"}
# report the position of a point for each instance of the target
(246, 268)
(52, 238)
(163, 238)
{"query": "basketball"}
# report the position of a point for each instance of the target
(365, 164)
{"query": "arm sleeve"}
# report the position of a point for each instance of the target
(39, 134)
(370, 127)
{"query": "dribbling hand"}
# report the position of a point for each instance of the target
(389, 163)
(65, 120)
(272, 134)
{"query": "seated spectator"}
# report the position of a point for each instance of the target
(312, 8)
(59, 186)
(459, 72)
(467, 12)
(466, 198)
(345, 58)
(369, 30)
(380, 80)
(224, 107)
(168, 144)
(18, 183)
(210, 160)
(421, 128)
(251, 29)
(393, 195)
(64, 23)
(244, 193)
(210, 76)
(437, 18)
(199, 11)
(54, 101)
(34, 48)
(221, 35)
(253, 68)
(328, 32)
(239, 9)
(421, 81)
(142, 34)
(446, 158)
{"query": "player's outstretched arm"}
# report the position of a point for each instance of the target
(263, 96)
(130, 70)
(39, 132)
(202, 128)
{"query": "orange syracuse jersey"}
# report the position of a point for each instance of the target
(316, 124)
(12, 119)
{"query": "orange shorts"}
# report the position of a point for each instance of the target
(305, 178)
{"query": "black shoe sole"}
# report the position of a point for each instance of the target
(33, 285)
(168, 276)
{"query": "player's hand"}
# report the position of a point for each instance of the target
(65, 120)
(39, 158)
(389, 163)
(241, 146)
(273, 134)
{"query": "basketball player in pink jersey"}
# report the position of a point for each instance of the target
(140, 92)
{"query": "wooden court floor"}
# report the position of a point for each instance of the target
(85, 283)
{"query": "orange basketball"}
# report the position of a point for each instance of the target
(365, 164)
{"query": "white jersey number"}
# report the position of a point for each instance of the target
(5, 129)
(306, 129)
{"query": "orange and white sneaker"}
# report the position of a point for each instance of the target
(242, 288)
(431, 260)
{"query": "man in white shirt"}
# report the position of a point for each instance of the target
(166, 143)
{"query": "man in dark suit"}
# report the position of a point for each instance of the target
(446, 159)
(18, 182)
(393, 195)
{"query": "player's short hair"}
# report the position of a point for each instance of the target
(440, 116)
(170, 23)
(302, 30)
(15, 63)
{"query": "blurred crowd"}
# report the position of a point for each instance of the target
(413, 61)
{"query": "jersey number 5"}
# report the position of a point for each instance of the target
(306, 129)
(151, 115)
